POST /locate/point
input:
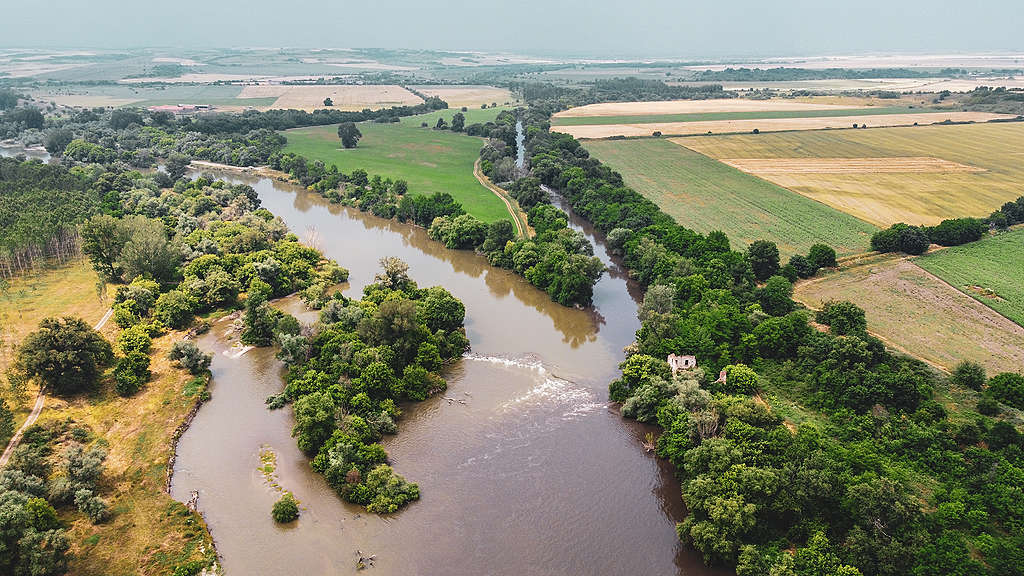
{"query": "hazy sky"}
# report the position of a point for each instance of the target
(680, 28)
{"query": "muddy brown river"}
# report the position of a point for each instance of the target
(534, 474)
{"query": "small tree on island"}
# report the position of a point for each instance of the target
(286, 509)
(328, 101)
(349, 134)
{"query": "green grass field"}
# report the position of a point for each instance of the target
(705, 195)
(753, 115)
(990, 270)
(429, 160)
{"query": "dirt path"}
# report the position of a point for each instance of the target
(500, 193)
(40, 400)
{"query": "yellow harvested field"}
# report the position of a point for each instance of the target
(355, 97)
(691, 107)
(914, 311)
(909, 164)
(470, 96)
(772, 124)
(882, 196)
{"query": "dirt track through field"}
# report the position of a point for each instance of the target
(907, 164)
(38, 408)
(500, 193)
(772, 124)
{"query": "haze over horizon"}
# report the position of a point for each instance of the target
(597, 28)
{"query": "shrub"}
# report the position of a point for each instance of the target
(1008, 388)
(969, 375)
(388, 491)
(135, 339)
(174, 308)
(190, 357)
(842, 317)
(803, 266)
(286, 509)
(131, 372)
(741, 379)
(988, 406)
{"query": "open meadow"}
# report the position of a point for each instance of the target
(990, 270)
(706, 195)
(917, 175)
(429, 160)
(914, 311)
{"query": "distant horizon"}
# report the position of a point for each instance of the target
(651, 28)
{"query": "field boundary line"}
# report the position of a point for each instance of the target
(38, 407)
(964, 292)
(502, 194)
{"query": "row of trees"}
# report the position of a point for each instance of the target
(838, 494)
(952, 232)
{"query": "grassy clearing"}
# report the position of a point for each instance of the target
(149, 533)
(886, 198)
(991, 271)
(705, 195)
(922, 315)
(429, 160)
(746, 115)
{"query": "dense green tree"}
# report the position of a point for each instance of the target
(822, 256)
(316, 417)
(349, 134)
(103, 238)
(775, 296)
(458, 122)
(1008, 388)
(843, 317)
(66, 354)
(57, 140)
(764, 259)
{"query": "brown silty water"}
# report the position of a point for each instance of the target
(532, 473)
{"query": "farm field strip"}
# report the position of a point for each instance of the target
(429, 160)
(470, 96)
(344, 97)
(740, 115)
(773, 124)
(921, 314)
(883, 196)
(706, 195)
(922, 164)
(691, 106)
(990, 270)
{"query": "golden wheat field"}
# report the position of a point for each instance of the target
(746, 125)
(344, 97)
(994, 153)
(470, 96)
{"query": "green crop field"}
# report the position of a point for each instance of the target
(928, 196)
(990, 270)
(705, 195)
(429, 160)
(752, 115)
